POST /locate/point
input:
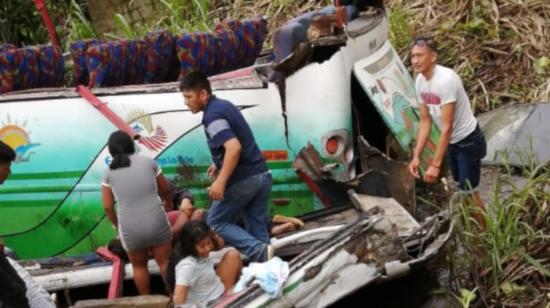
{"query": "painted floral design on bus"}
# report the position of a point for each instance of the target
(154, 138)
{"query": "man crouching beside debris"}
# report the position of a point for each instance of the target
(444, 101)
(242, 182)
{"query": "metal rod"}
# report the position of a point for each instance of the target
(105, 110)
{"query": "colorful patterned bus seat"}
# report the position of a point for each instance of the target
(51, 66)
(80, 66)
(26, 68)
(106, 63)
(250, 36)
(196, 51)
(31, 67)
(7, 70)
(161, 57)
(240, 52)
(227, 51)
(136, 62)
(250, 42)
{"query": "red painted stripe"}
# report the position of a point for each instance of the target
(153, 142)
(148, 144)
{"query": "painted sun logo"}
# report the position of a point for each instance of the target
(15, 135)
(154, 138)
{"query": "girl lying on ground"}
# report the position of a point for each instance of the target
(191, 273)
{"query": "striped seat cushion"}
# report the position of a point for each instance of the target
(234, 53)
(135, 66)
(31, 67)
(26, 68)
(51, 66)
(162, 62)
(227, 50)
(106, 63)
(7, 70)
(80, 66)
(250, 35)
(196, 51)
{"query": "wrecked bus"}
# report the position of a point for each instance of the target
(321, 87)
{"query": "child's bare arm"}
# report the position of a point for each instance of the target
(218, 241)
(180, 294)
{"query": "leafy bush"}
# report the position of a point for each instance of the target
(509, 263)
(21, 23)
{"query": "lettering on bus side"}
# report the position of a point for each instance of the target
(275, 155)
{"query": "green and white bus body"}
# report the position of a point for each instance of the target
(51, 204)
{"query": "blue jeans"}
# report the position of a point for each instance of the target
(249, 198)
(464, 159)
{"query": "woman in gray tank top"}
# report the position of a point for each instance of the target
(140, 218)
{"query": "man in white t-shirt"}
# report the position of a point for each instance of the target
(444, 101)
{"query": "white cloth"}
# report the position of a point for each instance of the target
(198, 274)
(270, 275)
(37, 296)
(446, 87)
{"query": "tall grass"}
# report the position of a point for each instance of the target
(190, 15)
(174, 15)
(77, 25)
(509, 263)
(499, 48)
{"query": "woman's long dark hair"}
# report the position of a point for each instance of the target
(121, 146)
(192, 233)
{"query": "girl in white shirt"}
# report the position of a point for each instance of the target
(191, 273)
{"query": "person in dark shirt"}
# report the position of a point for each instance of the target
(241, 181)
(12, 287)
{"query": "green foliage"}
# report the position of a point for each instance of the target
(506, 261)
(542, 66)
(175, 15)
(466, 297)
(191, 15)
(78, 25)
(21, 24)
(497, 47)
(475, 26)
(125, 27)
(401, 33)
